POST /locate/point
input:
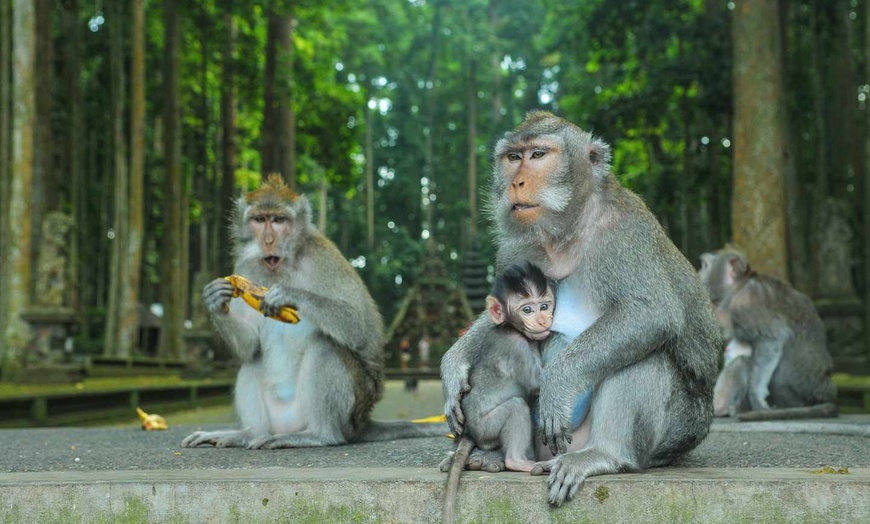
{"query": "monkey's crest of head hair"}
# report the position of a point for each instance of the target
(273, 192)
(526, 280)
(577, 143)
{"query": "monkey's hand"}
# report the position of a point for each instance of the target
(276, 298)
(453, 407)
(217, 295)
(554, 419)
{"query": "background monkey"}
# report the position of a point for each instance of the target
(308, 384)
(648, 340)
(505, 373)
(788, 364)
(729, 394)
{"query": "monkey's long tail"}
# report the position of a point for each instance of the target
(827, 410)
(378, 430)
(463, 449)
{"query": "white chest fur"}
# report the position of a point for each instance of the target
(574, 313)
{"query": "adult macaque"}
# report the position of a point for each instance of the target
(308, 384)
(505, 373)
(648, 339)
(788, 362)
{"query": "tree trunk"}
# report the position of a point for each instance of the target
(370, 178)
(495, 64)
(72, 156)
(128, 338)
(758, 204)
(796, 200)
(17, 250)
(866, 196)
(174, 272)
(5, 168)
(279, 121)
(44, 184)
(471, 95)
(431, 106)
(118, 273)
(228, 125)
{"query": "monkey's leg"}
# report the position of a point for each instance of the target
(318, 411)
(765, 358)
(639, 418)
(731, 393)
(516, 438)
(251, 409)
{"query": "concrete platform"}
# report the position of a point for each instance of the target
(124, 475)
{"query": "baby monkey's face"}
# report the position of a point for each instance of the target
(533, 315)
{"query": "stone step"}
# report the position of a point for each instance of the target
(407, 495)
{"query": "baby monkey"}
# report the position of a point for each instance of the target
(505, 374)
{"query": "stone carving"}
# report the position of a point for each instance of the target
(834, 258)
(51, 272)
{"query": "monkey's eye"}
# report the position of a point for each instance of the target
(260, 219)
(538, 154)
(545, 307)
(514, 157)
(279, 219)
(527, 309)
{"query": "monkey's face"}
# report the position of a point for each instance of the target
(720, 271)
(271, 231)
(533, 315)
(527, 169)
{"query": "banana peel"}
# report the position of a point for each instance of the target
(433, 420)
(253, 294)
(151, 422)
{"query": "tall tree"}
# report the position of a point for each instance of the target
(866, 197)
(471, 95)
(5, 168)
(72, 72)
(370, 175)
(173, 270)
(758, 208)
(18, 248)
(228, 127)
(45, 194)
(118, 268)
(279, 120)
(128, 332)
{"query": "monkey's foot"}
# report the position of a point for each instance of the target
(445, 464)
(568, 472)
(519, 465)
(218, 439)
(292, 440)
(491, 461)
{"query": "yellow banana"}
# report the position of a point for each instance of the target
(151, 422)
(253, 294)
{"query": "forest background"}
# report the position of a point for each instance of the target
(740, 121)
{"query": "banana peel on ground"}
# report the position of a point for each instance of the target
(151, 422)
(253, 294)
(433, 420)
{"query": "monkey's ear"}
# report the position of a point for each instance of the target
(737, 267)
(495, 309)
(599, 157)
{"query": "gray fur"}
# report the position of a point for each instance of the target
(309, 384)
(651, 355)
(505, 371)
(790, 365)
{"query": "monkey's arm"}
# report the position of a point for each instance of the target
(623, 335)
(350, 325)
(228, 318)
(765, 358)
(455, 365)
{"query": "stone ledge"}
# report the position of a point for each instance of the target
(703, 495)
